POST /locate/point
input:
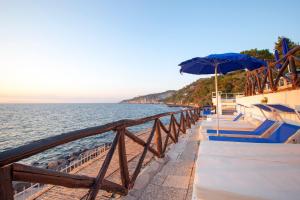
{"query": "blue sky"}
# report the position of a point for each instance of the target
(104, 51)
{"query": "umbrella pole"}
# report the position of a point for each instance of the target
(217, 97)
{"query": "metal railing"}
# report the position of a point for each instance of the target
(227, 96)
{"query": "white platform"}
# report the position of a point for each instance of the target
(231, 170)
(226, 124)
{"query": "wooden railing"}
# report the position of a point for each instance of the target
(257, 80)
(12, 171)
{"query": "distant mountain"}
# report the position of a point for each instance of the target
(150, 98)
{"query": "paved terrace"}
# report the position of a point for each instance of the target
(247, 171)
(167, 178)
(228, 170)
(219, 170)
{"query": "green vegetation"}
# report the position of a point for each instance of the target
(291, 45)
(260, 54)
(200, 91)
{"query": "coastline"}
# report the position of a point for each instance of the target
(167, 104)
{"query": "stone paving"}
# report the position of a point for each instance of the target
(170, 179)
(247, 171)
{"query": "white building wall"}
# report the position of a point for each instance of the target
(289, 98)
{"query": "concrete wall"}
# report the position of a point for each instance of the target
(288, 98)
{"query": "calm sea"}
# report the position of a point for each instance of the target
(22, 123)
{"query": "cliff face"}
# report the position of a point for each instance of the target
(150, 98)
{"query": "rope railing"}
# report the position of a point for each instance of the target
(12, 171)
(257, 80)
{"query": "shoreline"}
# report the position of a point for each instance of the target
(166, 104)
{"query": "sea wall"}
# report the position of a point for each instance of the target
(289, 98)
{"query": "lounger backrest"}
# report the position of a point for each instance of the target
(283, 133)
(273, 128)
(238, 117)
(264, 126)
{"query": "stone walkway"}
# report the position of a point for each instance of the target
(171, 177)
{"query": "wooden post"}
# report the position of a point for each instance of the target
(141, 160)
(258, 82)
(158, 140)
(293, 69)
(251, 86)
(99, 179)
(174, 128)
(182, 121)
(196, 114)
(271, 81)
(281, 71)
(265, 78)
(188, 122)
(6, 189)
(192, 117)
(123, 158)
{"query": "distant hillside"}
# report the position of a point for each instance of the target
(150, 98)
(199, 92)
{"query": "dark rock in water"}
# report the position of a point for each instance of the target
(62, 163)
(35, 163)
(76, 153)
(43, 165)
(72, 158)
(58, 164)
(53, 164)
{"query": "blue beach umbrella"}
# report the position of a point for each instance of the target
(220, 64)
(276, 54)
(285, 47)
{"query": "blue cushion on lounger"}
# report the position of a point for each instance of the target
(280, 135)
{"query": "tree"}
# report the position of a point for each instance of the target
(200, 91)
(264, 54)
(278, 45)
